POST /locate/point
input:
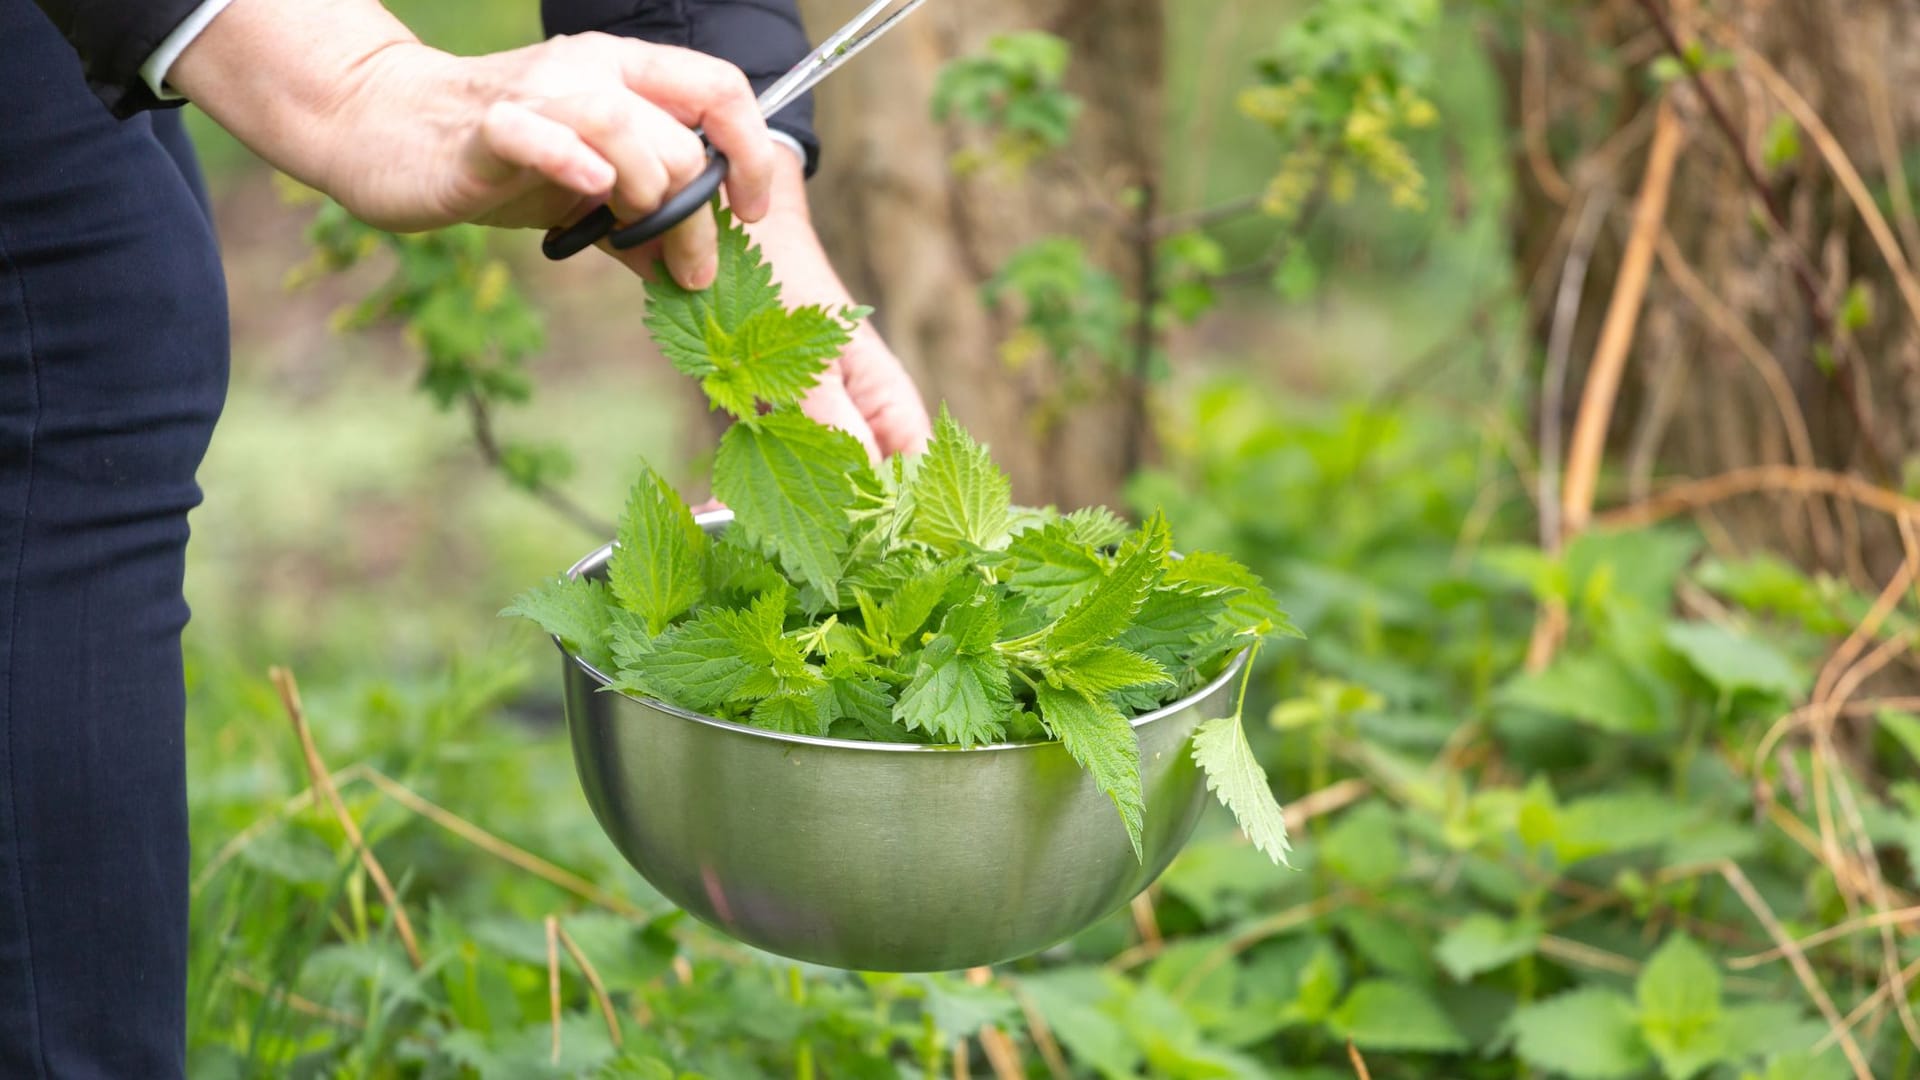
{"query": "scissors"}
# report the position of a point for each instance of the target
(846, 43)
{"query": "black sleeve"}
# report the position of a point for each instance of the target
(115, 37)
(763, 38)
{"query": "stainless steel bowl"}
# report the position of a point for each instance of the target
(873, 856)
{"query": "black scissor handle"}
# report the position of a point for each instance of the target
(681, 205)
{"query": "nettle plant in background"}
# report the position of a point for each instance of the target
(1341, 92)
(912, 602)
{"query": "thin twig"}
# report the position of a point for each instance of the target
(302, 1005)
(1777, 479)
(553, 981)
(1144, 921)
(1002, 1055)
(243, 839)
(480, 419)
(1905, 918)
(1553, 384)
(593, 981)
(323, 780)
(1172, 224)
(1043, 1039)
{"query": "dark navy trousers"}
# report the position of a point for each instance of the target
(113, 368)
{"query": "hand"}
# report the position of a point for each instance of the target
(866, 392)
(344, 98)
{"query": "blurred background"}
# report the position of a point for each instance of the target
(1555, 363)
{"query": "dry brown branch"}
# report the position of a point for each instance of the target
(1144, 922)
(1359, 1063)
(1771, 479)
(1534, 113)
(1737, 879)
(593, 980)
(501, 849)
(1002, 1056)
(1878, 894)
(1764, 364)
(553, 981)
(1843, 171)
(1886, 141)
(1623, 318)
(322, 780)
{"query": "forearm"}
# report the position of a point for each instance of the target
(281, 75)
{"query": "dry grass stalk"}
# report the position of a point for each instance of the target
(1002, 1056)
(1359, 1063)
(1145, 923)
(501, 849)
(1802, 970)
(553, 981)
(298, 803)
(1907, 918)
(322, 780)
(302, 1005)
(599, 987)
(1042, 1034)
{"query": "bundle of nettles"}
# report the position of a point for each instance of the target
(911, 603)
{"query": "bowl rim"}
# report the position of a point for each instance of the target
(712, 519)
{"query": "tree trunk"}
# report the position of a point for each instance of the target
(918, 242)
(1749, 351)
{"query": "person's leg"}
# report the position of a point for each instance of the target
(112, 371)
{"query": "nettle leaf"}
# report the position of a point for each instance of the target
(1096, 526)
(787, 480)
(658, 567)
(1586, 1034)
(1052, 566)
(696, 665)
(1099, 737)
(1680, 1009)
(1482, 942)
(737, 338)
(575, 610)
(961, 499)
(1251, 606)
(1734, 662)
(960, 693)
(1107, 611)
(1596, 688)
(1104, 669)
(1221, 750)
(1387, 1014)
(1170, 623)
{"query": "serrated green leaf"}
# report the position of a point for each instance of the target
(677, 318)
(696, 665)
(575, 610)
(1096, 526)
(1482, 942)
(1221, 750)
(1387, 1014)
(774, 358)
(1586, 1034)
(1099, 737)
(793, 712)
(1104, 669)
(658, 566)
(1052, 567)
(1680, 1010)
(1170, 624)
(1107, 611)
(961, 499)
(960, 693)
(787, 480)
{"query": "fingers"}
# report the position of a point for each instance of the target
(879, 387)
(829, 404)
(692, 250)
(652, 154)
(515, 137)
(713, 95)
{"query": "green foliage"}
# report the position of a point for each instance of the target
(1015, 88)
(1069, 311)
(893, 619)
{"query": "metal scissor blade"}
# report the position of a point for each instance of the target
(843, 45)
